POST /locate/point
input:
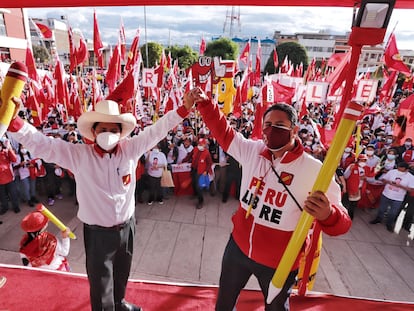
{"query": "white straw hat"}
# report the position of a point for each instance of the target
(105, 111)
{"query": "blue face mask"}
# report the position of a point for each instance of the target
(391, 156)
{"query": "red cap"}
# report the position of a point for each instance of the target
(34, 222)
(17, 70)
(202, 141)
(362, 156)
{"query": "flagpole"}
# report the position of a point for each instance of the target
(146, 41)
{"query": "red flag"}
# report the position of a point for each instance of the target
(46, 31)
(408, 84)
(392, 57)
(282, 93)
(33, 105)
(82, 52)
(388, 87)
(97, 42)
(122, 40)
(133, 53)
(258, 60)
(31, 65)
(338, 76)
(114, 68)
(72, 51)
(275, 59)
(59, 77)
(124, 91)
(202, 46)
(244, 56)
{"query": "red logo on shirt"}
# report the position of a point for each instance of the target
(286, 178)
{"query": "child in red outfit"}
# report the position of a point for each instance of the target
(41, 249)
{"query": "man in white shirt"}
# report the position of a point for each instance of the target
(105, 176)
(397, 182)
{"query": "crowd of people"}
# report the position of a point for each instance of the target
(375, 152)
(375, 170)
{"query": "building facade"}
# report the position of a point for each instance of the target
(14, 35)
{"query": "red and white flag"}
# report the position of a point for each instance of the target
(122, 40)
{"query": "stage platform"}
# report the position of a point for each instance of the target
(178, 244)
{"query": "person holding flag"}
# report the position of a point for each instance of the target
(274, 191)
(105, 176)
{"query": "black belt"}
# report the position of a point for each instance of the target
(117, 227)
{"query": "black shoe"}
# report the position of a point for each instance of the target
(34, 200)
(31, 203)
(375, 221)
(199, 205)
(127, 306)
(17, 210)
(390, 228)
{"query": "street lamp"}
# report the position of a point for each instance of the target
(368, 28)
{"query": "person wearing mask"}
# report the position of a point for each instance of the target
(185, 148)
(371, 194)
(8, 189)
(406, 151)
(26, 165)
(105, 175)
(348, 157)
(156, 162)
(201, 164)
(397, 182)
(355, 175)
(270, 166)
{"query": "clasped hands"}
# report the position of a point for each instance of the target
(193, 96)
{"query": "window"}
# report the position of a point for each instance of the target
(4, 54)
(2, 26)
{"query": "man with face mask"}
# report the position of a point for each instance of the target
(105, 175)
(267, 213)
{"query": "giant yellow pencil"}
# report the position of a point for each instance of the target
(351, 114)
(41, 208)
(12, 87)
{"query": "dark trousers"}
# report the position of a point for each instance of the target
(408, 219)
(236, 269)
(196, 187)
(154, 188)
(9, 192)
(108, 263)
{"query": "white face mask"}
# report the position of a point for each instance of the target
(362, 164)
(201, 148)
(107, 140)
(369, 152)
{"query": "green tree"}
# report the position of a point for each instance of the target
(154, 54)
(40, 54)
(224, 48)
(296, 54)
(186, 56)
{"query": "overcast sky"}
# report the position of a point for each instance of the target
(187, 24)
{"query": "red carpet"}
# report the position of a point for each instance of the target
(39, 290)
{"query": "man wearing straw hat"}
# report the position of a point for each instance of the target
(105, 176)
